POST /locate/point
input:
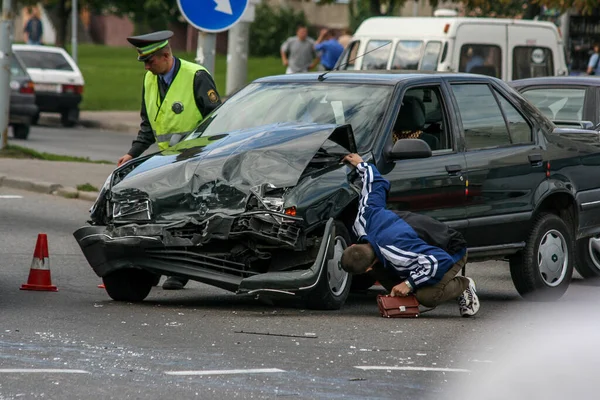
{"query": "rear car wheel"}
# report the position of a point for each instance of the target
(587, 257)
(334, 283)
(128, 284)
(544, 268)
(35, 119)
(20, 131)
(70, 117)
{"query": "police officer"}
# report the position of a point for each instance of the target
(176, 96)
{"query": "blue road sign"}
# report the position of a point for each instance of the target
(212, 15)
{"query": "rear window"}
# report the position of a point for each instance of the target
(44, 60)
(481, 59)
(16, 70)
(561, 104)
(529, 62)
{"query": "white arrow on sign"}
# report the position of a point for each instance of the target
(223, 6)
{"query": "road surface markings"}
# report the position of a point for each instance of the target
(406, 368)
(10, 196)
(41, 371)
(226, 371)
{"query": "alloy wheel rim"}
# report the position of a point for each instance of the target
(336, 276)
(553, 258)
(594, 251)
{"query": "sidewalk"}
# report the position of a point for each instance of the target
(62, 178)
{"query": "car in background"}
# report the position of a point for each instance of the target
(58, 81)
(567, 101)
(262, 204)
(22, 99)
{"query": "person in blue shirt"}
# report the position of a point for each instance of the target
(34, 29)
(389, 246)
(594, 63)
(329, 48)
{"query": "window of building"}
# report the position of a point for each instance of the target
(529, 62)
(481, 59)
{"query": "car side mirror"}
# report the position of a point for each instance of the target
(175, 139)
(410, 148)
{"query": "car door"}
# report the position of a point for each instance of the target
(434, 186)
(505, 164)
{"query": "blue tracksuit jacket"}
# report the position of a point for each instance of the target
(396, 244)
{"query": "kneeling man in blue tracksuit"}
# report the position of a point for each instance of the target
(399, 256)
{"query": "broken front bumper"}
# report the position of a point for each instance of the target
(107, 254)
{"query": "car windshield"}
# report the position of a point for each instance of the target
(560, 104)
(259, 104)
(44, 60)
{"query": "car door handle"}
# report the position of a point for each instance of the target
(535, 159)
(453, 169)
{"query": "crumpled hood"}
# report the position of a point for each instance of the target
(215, 173)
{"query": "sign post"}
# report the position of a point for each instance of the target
(211, 17)
(5, 55)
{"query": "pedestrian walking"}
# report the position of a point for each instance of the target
(176, 96)
(401, 260)
(298, 53)
(329, 48)
(34, 29)
(594, 63)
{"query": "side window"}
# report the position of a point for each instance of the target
(481, 116)
(431, 56)
(377, 54)
(348, 58)
(483, 59)
(519, 129)
(407, 55)
(561, 104)
(529, 62)
(422, 116)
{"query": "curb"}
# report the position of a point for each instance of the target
(94, 124)
(46, 188)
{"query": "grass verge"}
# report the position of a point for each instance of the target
(12, 151)
(114, 77)
(87, 187)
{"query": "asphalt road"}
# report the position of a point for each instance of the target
(97, 145)
(206, 343)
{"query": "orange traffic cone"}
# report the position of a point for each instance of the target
(39, 273)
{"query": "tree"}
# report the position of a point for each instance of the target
(526, 9)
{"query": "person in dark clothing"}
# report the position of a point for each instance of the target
(177, 95)
(34, 29)
(402, 257)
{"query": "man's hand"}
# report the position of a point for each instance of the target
(353, 159)
(123, 160)
(400, 290)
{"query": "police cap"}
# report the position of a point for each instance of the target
(148, 44)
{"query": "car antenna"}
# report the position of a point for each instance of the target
(321, 77)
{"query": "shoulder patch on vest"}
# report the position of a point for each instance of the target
(212, 96)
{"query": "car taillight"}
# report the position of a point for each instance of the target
(78, 89)
(27, 87)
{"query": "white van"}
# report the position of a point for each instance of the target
(505, 48)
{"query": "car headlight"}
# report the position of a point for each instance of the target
(137, 210)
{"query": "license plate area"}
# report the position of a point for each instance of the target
(48, 87)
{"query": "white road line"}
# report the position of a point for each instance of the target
(41, 371)
(226, 371)
(395, 368)
(10, 196)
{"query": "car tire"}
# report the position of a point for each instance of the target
(587, 257)
(543, 270)
(21, 131)
(69, 118)
(128, 284)
(334, 284)
(35, 118)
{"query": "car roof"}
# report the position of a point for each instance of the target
(379, 76)
(39, 48)
(557, 81)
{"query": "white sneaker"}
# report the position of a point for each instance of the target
(468, 302)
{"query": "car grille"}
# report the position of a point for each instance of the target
(206, 262)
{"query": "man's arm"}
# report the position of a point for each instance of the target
(284, 49)
(373, 194)
(592, 63)
(205, 93)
